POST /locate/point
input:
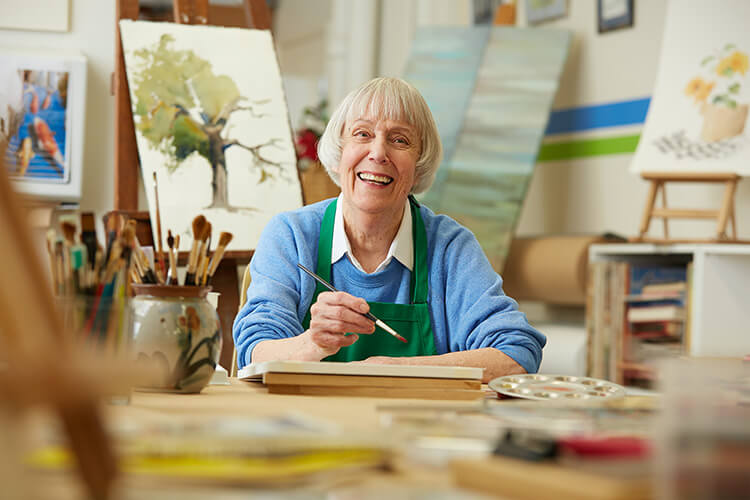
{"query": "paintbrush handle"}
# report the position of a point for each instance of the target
(382, 324)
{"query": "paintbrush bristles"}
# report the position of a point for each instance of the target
(69, 232)
(199, 224)
(225, 238)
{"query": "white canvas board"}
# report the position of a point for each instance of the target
(255, 371)
(35, 15)
(182, 79)
(697, 120)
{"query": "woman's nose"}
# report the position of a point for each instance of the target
(378, 152)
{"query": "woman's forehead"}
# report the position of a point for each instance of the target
(374, 121)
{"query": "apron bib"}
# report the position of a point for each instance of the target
(412, 321)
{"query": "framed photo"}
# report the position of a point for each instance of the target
(538, 11)
(42, 109)
(614, 14)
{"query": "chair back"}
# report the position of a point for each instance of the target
(246, 278)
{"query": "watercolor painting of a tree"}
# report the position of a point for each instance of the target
(184, 109)
(212, 125)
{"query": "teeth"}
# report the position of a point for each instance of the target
(382, 179)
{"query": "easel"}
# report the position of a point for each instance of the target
(257, 15)
(42, 364)
(723, 215)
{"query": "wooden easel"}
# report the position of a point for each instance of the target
(723, 215)
(42, 364)
(257, 15)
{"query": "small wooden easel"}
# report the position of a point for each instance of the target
(256, 14)
(723, 215)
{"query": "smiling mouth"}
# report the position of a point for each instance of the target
(382, 180)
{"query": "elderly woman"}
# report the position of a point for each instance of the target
(422, 274)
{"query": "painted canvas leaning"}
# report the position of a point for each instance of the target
(490, 90)
(42, 121)
(211, 121)
(697, 120)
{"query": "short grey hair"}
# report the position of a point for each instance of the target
(388, 99)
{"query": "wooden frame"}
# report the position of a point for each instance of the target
(256, 14)
(723, 215)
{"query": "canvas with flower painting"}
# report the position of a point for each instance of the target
(697, 120)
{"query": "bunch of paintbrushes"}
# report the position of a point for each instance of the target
(92, 281)
(201, 263)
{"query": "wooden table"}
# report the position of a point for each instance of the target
(406, 479)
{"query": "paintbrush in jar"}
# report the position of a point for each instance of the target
(172, 274)
(199, 223)
(224, 239)
(160, 266)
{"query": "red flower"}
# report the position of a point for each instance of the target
(307, 142)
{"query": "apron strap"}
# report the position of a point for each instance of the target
(419, 277)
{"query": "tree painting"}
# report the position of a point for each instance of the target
(183, 109)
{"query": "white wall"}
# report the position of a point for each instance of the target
(91, 33)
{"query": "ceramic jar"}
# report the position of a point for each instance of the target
(178, 333)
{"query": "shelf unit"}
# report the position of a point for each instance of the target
(717, 322)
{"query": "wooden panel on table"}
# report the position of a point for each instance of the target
(375, 392)
(365, 381)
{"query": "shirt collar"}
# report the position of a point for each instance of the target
(402, 246)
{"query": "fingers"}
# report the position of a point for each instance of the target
(332, 341)
(339, 312)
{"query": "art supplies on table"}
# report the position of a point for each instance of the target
(278, 450)
(364, 379)
(555, 387)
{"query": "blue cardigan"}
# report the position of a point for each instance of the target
(468, 307)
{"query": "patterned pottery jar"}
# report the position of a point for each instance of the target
(177, 331)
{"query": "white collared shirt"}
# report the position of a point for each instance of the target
(402, 246)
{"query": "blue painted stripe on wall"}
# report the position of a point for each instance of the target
(598, 116)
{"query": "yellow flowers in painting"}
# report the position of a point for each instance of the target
(729, 65)
(717, 92)
(734, 63)
(699, 89)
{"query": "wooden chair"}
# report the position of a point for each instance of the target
(246, 278)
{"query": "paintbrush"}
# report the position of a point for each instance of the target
(88, 236)
(69, 233)
(51, 236)
(147, 273)
(159, 249)
(224, 239)
(204, 262)
(172, 274)
(368, 315)
(199, 257)
(199, 223)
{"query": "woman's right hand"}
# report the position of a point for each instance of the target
(334, 315)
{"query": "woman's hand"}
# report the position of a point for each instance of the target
(334, 315)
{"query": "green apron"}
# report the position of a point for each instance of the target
(412, 321)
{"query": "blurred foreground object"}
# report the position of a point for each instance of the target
(703, 444)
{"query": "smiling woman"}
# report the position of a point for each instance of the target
(423, 274)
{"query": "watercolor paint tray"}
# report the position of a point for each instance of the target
(556, 387)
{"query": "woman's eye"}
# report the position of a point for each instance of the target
(400, 140)
(361, 133)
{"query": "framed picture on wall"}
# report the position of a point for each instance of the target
(42, 108)
(538, 11)
(614, 14)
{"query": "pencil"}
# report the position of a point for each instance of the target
(368, 315)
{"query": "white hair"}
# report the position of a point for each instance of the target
(385, 99)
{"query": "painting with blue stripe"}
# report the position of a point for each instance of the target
(38, 148)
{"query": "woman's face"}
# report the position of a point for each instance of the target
(378, 162)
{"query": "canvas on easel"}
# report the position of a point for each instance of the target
(211, 120)
(696, 128)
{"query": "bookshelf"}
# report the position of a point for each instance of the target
(708, 316)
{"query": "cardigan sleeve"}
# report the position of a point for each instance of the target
(478, 312)
(274, 305)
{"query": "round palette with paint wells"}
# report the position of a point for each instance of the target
(556, 387)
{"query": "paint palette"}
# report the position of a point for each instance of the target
(556, 387)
